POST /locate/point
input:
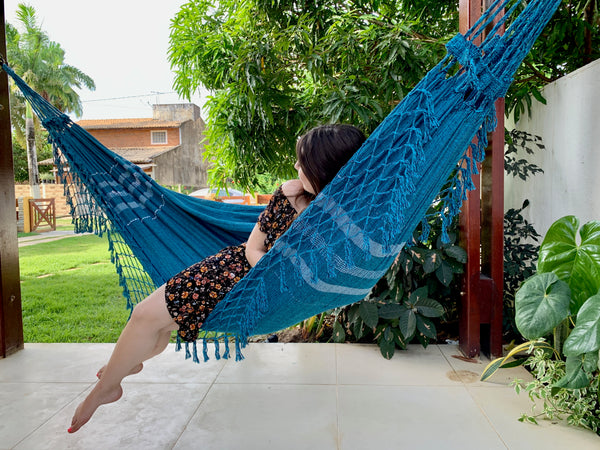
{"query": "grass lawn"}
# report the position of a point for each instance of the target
(70, 292)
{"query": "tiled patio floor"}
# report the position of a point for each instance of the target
(282, 396)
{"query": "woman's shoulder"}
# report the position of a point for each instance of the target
(292, 188)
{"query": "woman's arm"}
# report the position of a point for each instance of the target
(255, 247)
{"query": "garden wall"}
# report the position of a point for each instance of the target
(569, 125)
(47, 191)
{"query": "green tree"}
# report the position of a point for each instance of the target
(278, 67)
(40, 62)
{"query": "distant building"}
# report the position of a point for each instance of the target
(168, 147)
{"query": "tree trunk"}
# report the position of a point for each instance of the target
(32, 165)
(589, 18)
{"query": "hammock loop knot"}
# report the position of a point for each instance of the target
(58, 121)
(477, 69)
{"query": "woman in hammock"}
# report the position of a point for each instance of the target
(187, 299)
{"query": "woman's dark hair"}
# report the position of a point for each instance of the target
(324, 150)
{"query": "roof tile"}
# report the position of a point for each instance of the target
(103, 124)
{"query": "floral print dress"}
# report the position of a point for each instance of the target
(194, 292)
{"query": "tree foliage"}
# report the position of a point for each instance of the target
(278, 67)
(40, 62)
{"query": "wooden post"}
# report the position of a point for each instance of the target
(482, 231)
(11, 319)
(27, 214)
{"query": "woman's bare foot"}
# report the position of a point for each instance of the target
(136, 369)
(88, 407)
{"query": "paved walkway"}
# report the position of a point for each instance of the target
(46, 236)
(282, 396)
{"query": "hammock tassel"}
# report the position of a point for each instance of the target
(195, 347)
(217, 349)
(348, 256)
(204, 350)
(238, 349)
(425, 230)
(226, 354)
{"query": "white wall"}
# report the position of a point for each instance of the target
(569, 125)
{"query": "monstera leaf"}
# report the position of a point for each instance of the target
(578, 264)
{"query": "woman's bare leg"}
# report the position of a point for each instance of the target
(161, 343)
(144, 336)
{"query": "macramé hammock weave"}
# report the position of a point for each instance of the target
(345, 241)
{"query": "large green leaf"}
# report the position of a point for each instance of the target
(430, 259)
(391, 311)
(418, 295)
(339, 335)
(426, 327)
(457, 253)
(541, 304)
(591, 361)
(445, 273)
(408, 324)
(577, 264)
(575, 377)
(585, 337)
(369, 314)
(387, 348)
(429, 307)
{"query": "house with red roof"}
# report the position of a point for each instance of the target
(169, 146)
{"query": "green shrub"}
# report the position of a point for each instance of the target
(419, 287)
(562, 303)
(520, 255)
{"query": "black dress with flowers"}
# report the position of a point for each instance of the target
(194, 292)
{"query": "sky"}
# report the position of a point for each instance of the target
(121, 44)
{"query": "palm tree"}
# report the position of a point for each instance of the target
(40, 62)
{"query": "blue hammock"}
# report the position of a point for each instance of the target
(345, 241)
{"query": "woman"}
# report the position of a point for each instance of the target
(185, 301)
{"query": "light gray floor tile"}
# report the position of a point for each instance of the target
(262, 417)
(172, 367)
(412, 417)
(55, 363)
(504, 407)
(282, 396)
(283, 363)
(417, 366)
(26, 406)
(469, 370)
(148, 416)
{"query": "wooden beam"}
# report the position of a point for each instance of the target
(11, 319)
(469, 326)
(492, 245)
(482, 233)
